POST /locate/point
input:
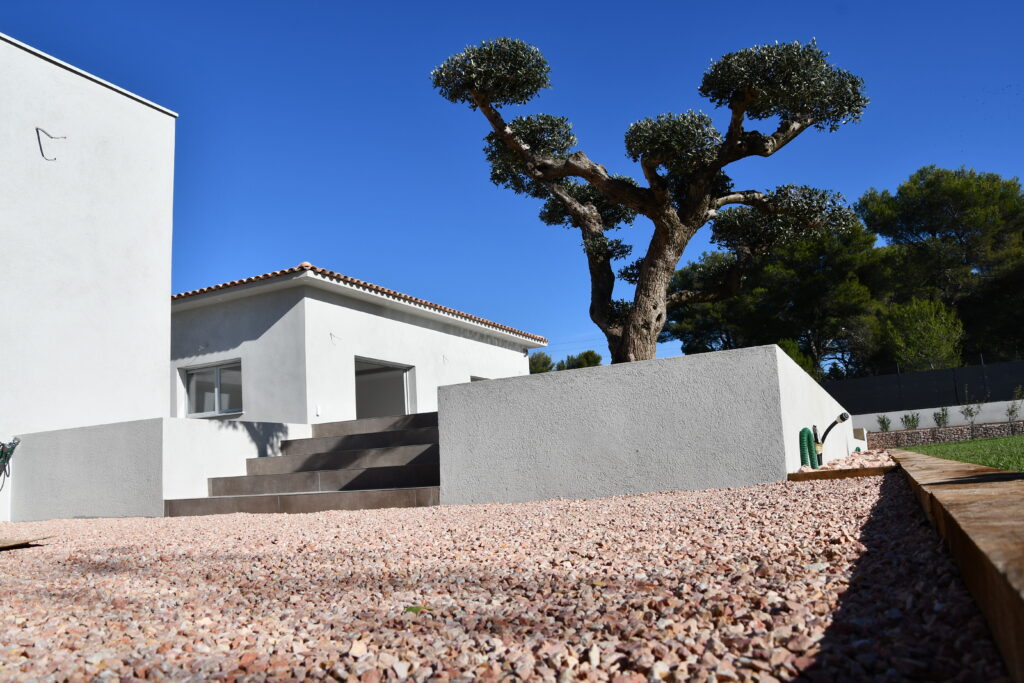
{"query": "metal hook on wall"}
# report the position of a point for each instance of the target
(39, 139)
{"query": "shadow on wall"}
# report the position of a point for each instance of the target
(906, 614)
(266, 436)
(227, 325)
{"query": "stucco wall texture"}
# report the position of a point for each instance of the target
(713, 420)
(85, 236)
(127, 469)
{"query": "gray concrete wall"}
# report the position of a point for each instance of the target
(694, 422)
(710, 420)
(109, 470)
(127, 469)
(266, 332)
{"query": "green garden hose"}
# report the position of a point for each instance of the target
(808, 455)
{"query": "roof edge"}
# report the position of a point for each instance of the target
(85, 74)
(306, 267)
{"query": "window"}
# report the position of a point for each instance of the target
(214, 390)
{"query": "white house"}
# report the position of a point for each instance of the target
(89, 329)
(308, 345)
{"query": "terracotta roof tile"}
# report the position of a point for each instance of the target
(370, 287)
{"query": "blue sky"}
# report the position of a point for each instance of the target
(309, 130)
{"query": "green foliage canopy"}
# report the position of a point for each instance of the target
(503, 71)
(586, 359)
(791, 81)
(540, 362)
(922, 335)
(543, 133)
(957, 235)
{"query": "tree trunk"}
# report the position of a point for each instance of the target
(650, 301)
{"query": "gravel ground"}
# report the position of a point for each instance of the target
(854, 461)
(823, 580)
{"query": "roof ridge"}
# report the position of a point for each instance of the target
(376, 289)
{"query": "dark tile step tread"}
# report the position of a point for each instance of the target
(421, 496)
(327, 444)
(312, 481)
(358, 458)
(374, 424)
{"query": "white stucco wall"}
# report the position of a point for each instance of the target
(266, 333)
(298, 345)
(127, 469)
(994, 411)
(86, 247)
(339, 329)
(195, 450)
(805, 404)
(710, 420)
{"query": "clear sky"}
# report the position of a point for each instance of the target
(309, 130)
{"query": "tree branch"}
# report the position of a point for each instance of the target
(577, 165)
(602, 276)
(738, 107)
(752, 198)
(654, 179)
(740, 143)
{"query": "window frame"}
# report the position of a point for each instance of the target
(217, 368)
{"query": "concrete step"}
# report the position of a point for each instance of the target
(349, 442)
(375, 424)
(304, 502)
(417, 454)
(401, 476)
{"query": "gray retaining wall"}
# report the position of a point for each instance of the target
(712, 420)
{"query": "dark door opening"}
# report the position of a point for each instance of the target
(382, 389)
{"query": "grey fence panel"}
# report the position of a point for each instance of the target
(929, 389)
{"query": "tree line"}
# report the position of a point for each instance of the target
(932, 275)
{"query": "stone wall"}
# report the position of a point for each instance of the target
(920, 437)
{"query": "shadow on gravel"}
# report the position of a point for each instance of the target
(995, 477)
(906, 614)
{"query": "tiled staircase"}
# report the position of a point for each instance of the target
(376, 462)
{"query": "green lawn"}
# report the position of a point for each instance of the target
(1006, 453)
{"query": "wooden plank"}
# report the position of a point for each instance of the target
(979, 511)
(841, 474)
(13, 543)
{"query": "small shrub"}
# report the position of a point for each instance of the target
(884, 423)
(1013, 408)
(970, 409)
(941, 417)
(911, 420)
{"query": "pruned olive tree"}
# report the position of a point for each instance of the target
(682, 158)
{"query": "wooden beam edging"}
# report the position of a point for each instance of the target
(841, 474)
(979, 512)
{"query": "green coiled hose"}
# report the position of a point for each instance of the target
(808, 454)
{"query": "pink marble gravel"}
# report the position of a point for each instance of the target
(822, 580)
(856, 460)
